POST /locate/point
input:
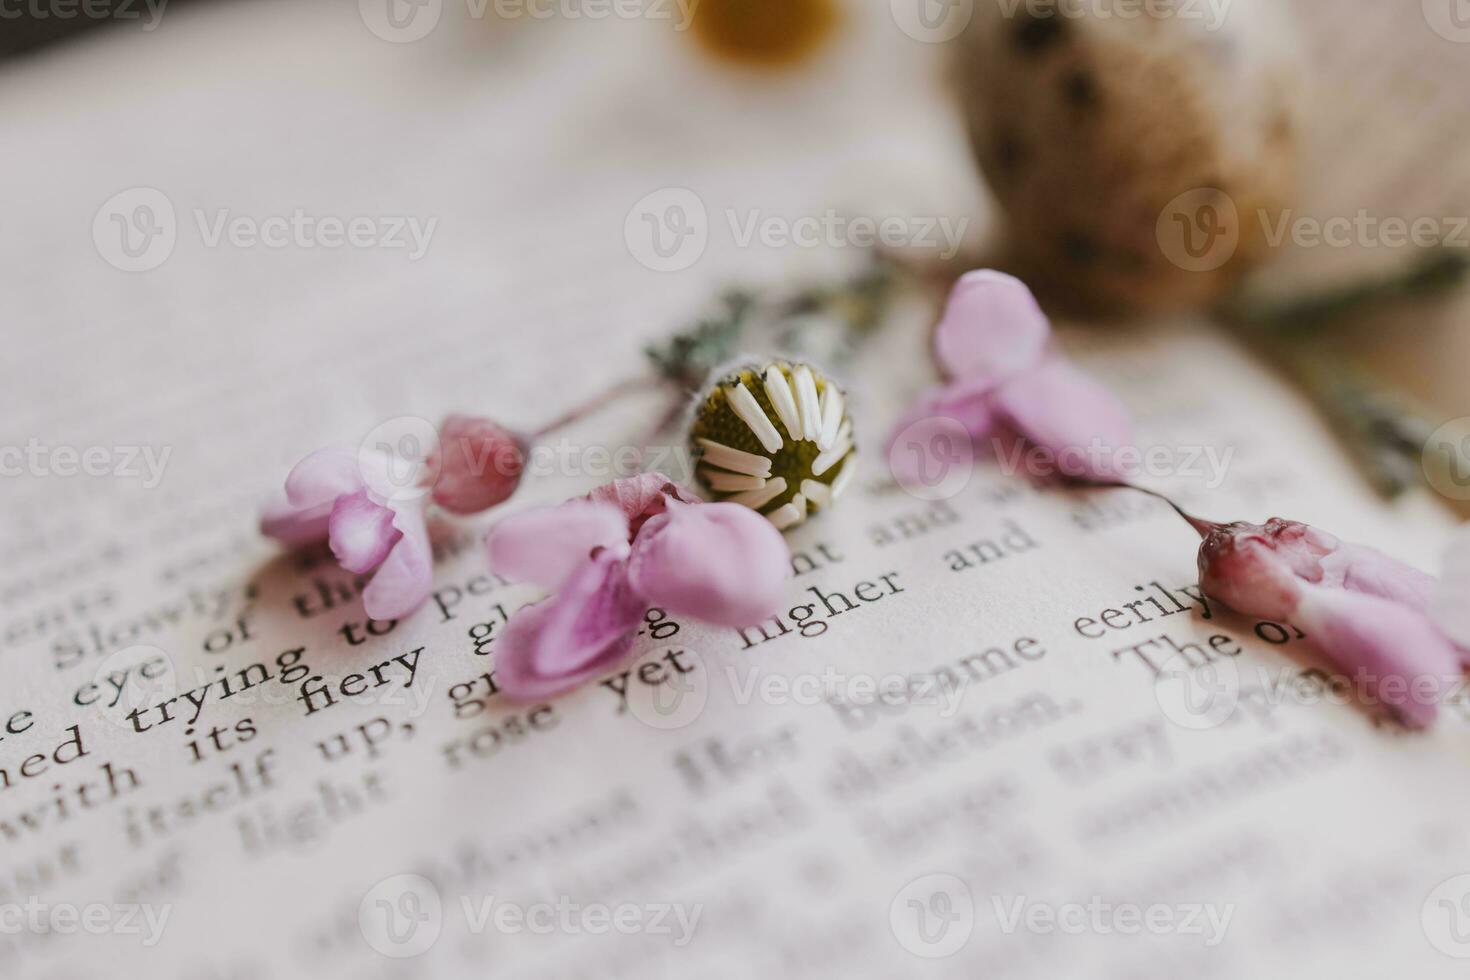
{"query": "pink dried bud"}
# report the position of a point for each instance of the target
(478, 464)
(1365, 611)
(1259, 569)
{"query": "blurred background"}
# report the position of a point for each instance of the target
(1315, 161)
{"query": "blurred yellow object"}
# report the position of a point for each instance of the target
(772, 33)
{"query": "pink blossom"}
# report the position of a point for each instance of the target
(1008, 383)
(1368, 613)
(611, 555)
(374, 519)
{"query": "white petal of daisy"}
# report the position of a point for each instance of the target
(789, 514)
(844, 477)
(806, 401)
(732, 482)
(743, 404)
(827, 459)
(778, 390)
(817, 492)
(735, 460)
(756, 499)
(832, 409)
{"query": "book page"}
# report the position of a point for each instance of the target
(997, 732)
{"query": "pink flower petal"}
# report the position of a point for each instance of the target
(518, 650)
(295, 526)
(406, 576)
(545, 546)
(640, 497)
(1358, 568)
(361, 532)
(1070, 414)
(992, 328)
(323, 476)
(1397, 653)
(721, 563)
(479, 465)
(584, 630)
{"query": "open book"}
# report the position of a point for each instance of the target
(1000, 733)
